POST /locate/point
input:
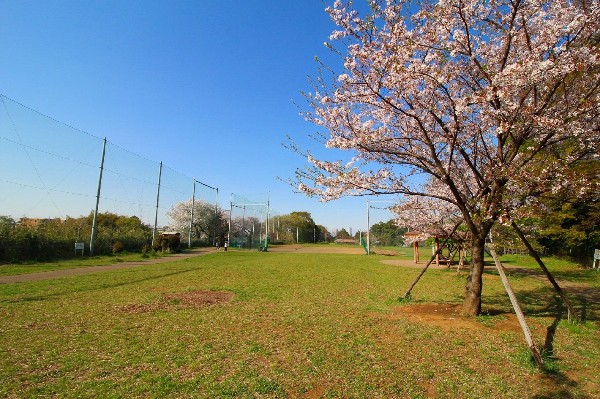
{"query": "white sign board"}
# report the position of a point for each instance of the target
(79, 246)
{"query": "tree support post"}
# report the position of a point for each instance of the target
(433, 257)
(534, 254)
(517, 308)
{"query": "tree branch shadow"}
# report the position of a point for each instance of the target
(542, 303)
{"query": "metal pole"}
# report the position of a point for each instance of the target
(216, 219)
(157, 198)
(267, 228)
(243, 217)
(229, 225)
(368, 230)
(297, 236)
(192, 214)
(94, 222)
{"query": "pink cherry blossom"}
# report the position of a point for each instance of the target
(492, 101)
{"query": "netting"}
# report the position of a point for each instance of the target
(50, 171)
(383, 231)
(47, 169)
(198, 218)
(251, 222)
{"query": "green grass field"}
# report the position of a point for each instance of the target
(297, 325)
(28, 267)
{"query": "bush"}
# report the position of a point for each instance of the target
(117, 247)
(169, 242)
(146, 248)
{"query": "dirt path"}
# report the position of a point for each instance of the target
(22, 278)
(326, 249)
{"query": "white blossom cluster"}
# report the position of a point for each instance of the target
(495, 101)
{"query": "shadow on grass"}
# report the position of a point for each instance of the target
(544, 302)
(100, 285)
(559, 394)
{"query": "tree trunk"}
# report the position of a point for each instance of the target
(472, 302)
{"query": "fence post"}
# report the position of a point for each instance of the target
(94, 222)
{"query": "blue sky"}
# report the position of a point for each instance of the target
(206, 87)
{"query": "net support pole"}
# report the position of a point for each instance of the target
(216, 218)
(95, 220)
(192, 213)
(229, 224)
(267, 227)
(157, 202)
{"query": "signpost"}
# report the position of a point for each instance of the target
(79, 246)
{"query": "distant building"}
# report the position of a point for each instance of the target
(345, 241)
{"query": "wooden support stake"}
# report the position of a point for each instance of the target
(407, 293)
(535, 256)
(517, 308)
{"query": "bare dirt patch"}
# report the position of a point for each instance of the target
(181, 300)
(448, 317)
(325, 249)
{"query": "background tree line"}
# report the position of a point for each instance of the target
(44, 239)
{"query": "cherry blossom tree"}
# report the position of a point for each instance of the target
(429, 216)
(494, 100)
(205, 220)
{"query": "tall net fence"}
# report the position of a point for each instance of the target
(50, 177)
(47, 169)
(383, 231)
(253, 223)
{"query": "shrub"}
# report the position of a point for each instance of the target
(167, 242)
(117, 247)
(146, 248)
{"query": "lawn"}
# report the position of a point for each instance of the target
(273, 325)
(27, 267)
